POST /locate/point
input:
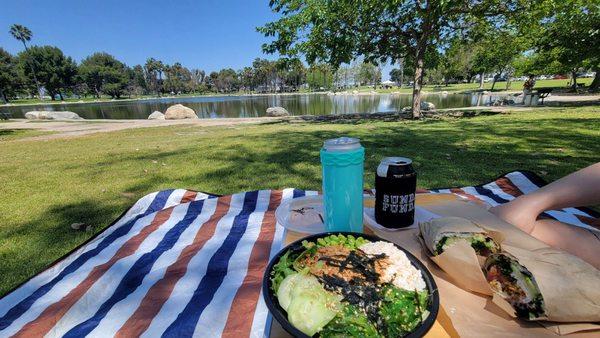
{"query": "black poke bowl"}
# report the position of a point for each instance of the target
(296, 247)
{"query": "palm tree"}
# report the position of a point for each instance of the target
(23, 34)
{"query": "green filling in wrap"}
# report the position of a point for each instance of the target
(482, 244)
(516, 285)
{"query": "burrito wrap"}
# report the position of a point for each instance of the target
(436, 229)
(568, 284)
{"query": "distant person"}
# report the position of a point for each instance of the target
(578, 189)
(528, 85)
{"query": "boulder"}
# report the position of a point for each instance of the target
(277, 112)
(180, 112)
(503, 102)
(156, 116)
(427, 106)
(51, 115)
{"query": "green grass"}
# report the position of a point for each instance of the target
(48, 185)
(500, 86)
(14, 134)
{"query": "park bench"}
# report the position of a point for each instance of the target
(543, 93)
(5, 116)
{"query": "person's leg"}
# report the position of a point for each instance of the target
(574, 240)
(581, 188)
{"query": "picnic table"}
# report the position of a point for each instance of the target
(544, 93)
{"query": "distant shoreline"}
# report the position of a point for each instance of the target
(331, 93)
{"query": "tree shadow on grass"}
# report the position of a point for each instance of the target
(450, 154)
(30, 248)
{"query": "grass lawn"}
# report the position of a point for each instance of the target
(500, 86)
(47, 185)
(13, 134)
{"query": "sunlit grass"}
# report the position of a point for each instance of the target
(47, 185)
(500, 86)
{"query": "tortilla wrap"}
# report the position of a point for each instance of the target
(568, 284)
(436, 229)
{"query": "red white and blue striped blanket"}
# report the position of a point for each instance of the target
(181, 263)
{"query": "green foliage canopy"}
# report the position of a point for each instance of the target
(103, 73)
(55, 71)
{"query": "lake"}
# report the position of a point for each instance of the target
(256, 105)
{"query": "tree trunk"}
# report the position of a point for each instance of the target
(37, 83)
(574, 80)
(508, 82)
(494, 82)
(596, 82)
(401, 71)
(481, 80)
(4, 98)
(60, 95)
(418, 81)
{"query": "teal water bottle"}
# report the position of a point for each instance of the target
(343, 162)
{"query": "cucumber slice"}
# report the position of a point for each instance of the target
(294, 284)
(311, 310)
(284, 293)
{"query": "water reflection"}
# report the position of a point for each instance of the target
(254, 106)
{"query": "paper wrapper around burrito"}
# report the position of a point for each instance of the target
(569, 285)
(511, 235)
(459, 260)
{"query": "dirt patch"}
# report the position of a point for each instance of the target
(66, 129)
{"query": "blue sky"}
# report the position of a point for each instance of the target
(205, 34)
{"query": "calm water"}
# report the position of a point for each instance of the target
(254, 106)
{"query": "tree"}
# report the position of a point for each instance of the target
(103, 73)
(246, 77)
(138, 82)
(54, 70)
(178, 79)
(569, 36)
(197, 79)
(226, 80)
(397, 75)
(264, 73)
(380, 30)
(319, 76)
(495, 52)
(368, 74)
(23, 34)
(458, 60)
(8, 75)
(154, 70)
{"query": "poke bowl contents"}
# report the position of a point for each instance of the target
(350, 285)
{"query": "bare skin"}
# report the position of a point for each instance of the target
(581, 188)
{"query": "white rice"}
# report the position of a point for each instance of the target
(400, 272)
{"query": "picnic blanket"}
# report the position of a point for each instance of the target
(184, 263)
